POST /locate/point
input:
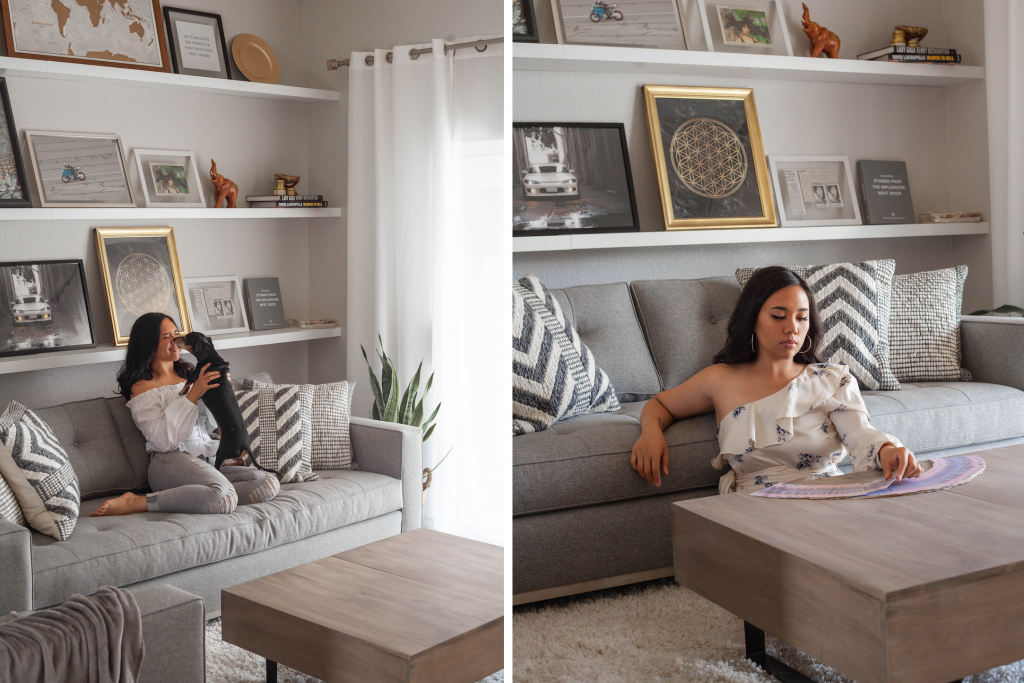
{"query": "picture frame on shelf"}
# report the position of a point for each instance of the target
(571, 178)
(687, 126)
(93, 33)
(44, 307)
(814, 190)
(742, 26)
(657, 24)
(524, 22)
(13, 181)
(196, 43)
(170, 178)
(79, 169)
(140, 274)
(216, 305)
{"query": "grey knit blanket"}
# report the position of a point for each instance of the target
(93, 638)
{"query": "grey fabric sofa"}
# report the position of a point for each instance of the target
(584, 520)
(202, 554)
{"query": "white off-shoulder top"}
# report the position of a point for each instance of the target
(171, 422)
(800, 432)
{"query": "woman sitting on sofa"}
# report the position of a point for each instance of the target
(783, 415)
(180, 472)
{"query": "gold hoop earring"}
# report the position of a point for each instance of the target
(808, 346)
(752, 337)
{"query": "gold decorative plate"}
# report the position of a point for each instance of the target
(255, 59)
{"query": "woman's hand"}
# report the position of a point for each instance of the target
(650, 455)
(203, 384)
(899, 462)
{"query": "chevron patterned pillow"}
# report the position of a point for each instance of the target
(38, 472)
(278, 419)
(925, 330)
(554, 374)
(854, 300)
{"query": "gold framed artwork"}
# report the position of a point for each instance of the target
(712, 172)
(140, 274)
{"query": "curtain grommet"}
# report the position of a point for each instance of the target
(369, 60)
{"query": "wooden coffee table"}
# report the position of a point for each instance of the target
(422, 606)
(926, 588)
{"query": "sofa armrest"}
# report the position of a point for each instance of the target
(993, 349)
(174, 634)
(15, 568)
(397, 451)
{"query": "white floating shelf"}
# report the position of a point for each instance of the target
(38, 68)
(108, 353)
(548, 57)
(160, 213)
(666, 238)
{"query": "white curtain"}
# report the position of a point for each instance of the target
(425, 259)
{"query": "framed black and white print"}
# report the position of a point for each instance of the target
(79, 169)
(627, 23)
(571, 178)
(13, 188)
(215, 305)
(524, 22)
(814, 190)
(44, 306)
(197, 44)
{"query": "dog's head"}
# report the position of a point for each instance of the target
(196, 343)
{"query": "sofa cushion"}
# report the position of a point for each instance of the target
(125, 550)
(606, 322)
(685, 322)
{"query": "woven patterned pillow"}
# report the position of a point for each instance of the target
(854, 300)
(331, 447)
(9, 508)
(278, 422)
(38, 472)
(924, 333)
(554, 374)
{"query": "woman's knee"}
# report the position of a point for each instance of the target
(267, 490)
(222, 498)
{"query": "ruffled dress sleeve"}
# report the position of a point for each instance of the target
(164, 421)
(849, 414)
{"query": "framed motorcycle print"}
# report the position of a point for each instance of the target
(627, 23)
(169, 178)
(709, 158)
(79, 169)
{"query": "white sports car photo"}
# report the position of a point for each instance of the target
(31, 309)
(550, 179)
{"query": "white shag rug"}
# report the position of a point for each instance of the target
(660, 634)
(226, 663)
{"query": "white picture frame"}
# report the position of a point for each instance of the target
(216, 305)
(75, 170)
(775, 12)
(149, 161)
(833, 173)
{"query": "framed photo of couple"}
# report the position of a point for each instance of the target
(215, 305)
(169, 178)
(814, 190)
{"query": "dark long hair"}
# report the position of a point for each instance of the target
(142, 346)
(743, 322)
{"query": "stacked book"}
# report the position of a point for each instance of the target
(283, 201)
(921, 55)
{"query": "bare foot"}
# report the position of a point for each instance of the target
(123, 505)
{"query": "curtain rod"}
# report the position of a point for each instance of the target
(333, 64)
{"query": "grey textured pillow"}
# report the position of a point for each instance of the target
(554, 374)
(924, 333)
(854, 300)
(9, 508)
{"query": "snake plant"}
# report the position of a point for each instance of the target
(387, 406)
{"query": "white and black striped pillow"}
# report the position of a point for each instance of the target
(278, 422)
(854, 300)
(554, 374)
(924, 333)
(38, 472)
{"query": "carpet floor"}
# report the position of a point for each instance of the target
(226, 663)
(654, 633)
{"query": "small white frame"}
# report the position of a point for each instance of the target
(780, 12)
(172, 156)
(851, 191)
(236, 302)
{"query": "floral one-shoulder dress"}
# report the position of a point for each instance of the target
(800, 432)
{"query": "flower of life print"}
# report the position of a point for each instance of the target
(708, 158)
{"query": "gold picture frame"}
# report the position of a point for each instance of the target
(713, 146)
(140, 274)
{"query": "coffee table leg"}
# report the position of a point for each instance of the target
(271, 671)
(758, 654)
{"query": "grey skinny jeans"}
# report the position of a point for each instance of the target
(186, 483)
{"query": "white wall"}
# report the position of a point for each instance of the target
(939, 132)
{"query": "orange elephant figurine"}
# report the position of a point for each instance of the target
(822, 40)
(225, 188)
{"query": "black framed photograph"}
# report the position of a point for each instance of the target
(13, 188)
(524, 22)
(44, 306)
(571, 178)
(197, 44)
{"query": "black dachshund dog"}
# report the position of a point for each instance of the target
(234, 437)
